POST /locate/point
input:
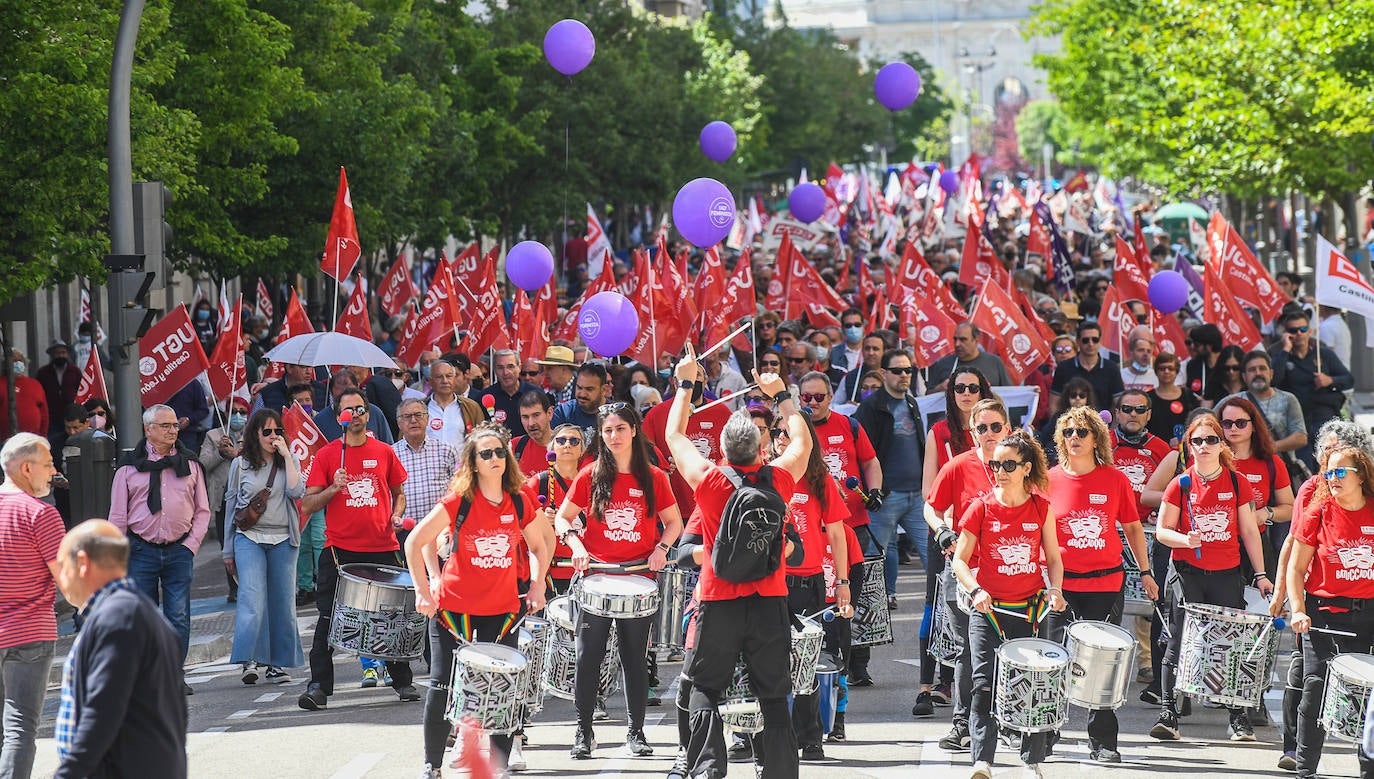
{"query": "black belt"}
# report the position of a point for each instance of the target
(1349, 604)
(167, 545)
(1185, 567)
(804, 581)
(1094, 574)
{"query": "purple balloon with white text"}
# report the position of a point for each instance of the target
(608, 323)
(704, 212)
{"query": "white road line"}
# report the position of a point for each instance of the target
(242, 714)
(358, 767)
(216, 730)
(267, 697)
(200, 679)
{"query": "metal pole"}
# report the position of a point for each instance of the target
(128, 408)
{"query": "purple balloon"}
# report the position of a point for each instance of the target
(529, 265)
(807, 202)
(897, 85)
(1169, 291)
(718, 141)
(608, 323)
(704, 212)
(569, 46)
(949, 181)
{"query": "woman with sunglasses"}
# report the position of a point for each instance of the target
(1207, 517)
(1331, 588)
(1226, 379)
(552, 484)
(1248, 436)
(1078, 393)
(1091, 500)
(1004, 534)
(626, 500)
(263, 556)
(958, 484)
(476, 595)
(1170, 403)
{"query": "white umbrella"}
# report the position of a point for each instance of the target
(329, 348)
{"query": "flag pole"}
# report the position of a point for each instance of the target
(1317, 298)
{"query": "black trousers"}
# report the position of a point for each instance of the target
(593, 633)
(1159, 566)
(442, 645)
(759, 629)
(963, 664)
(1318, 649)
(1292, 696)
(326, 581)
(806, 597)
(983, 642)
(1218, 589)
(1103, 727)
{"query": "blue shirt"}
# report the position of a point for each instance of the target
(902, 468)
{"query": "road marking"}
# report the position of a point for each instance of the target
(267, 697)
(242, 714)
(912, 662)
(200, 679)
(358, 767)
(216, 730)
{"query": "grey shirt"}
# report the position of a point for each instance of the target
(990, 365)
(1282, 411)
(280, 518)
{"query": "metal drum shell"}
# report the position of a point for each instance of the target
(1214, 662)
(674, 590)
(492, 678)
(617, 597)
(357, 590)
(1100, 676)
(1349, 680)
(1032, 674)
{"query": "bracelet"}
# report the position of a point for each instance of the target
(1257, 576)
(664, 547)
(1144, 573)
(782, 396)
(975, 592)
(1053, 589)
(842, 583)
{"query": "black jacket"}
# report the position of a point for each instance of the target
(876, 420)
(274, 396)
(130, 709)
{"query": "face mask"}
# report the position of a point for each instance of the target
(20, 369)
(866, 393)
(822, 353)
(424, 372)
(98, 421)
(307, 408)
(665, 373)
(202, 314)
(1140, 367)
(237, 421)
(262, 335)
(83, 340)
(400, 383)
(853, 334)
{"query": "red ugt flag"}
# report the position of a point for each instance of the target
(170, 357)
(1232, 260)
(1221, 308)
(998, 316)
(397, 289)
(227, 373)
(264, 303)
(341, 247)
(92, 380)
(354, 320)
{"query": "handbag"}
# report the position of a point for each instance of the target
(248, 516)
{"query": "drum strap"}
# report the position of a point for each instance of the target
(1034, 608)
(460, 626)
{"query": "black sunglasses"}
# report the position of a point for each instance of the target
(770, 364)
(567, 440)
(1005, 465)
(1077, 396)
(1087, 339)
(1125, 409)
(528, 374)
(967, 389)
(798, 360)
(900, 371)
(1081, 432)
(1235, 424)
(487, 454)
(1205, 440)
(995, 427)
(273, 431)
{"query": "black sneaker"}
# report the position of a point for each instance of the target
(250, 673)
(1240, 729)
(1151, 696)
(957, 740)
(408, 693)
(1104, 755)
(860, 678)
(1166, 728)
(837, 728)
(637, 744)
(276, 675)
(583, 744)
(924, 707)
(741, 751)
(812, 753)
(313, 699)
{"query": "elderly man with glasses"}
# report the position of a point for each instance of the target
(968, 354)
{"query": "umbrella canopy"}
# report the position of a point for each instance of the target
(1182, 211)
(328, 348)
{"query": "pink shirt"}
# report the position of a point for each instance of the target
(30, 531)
(185, 505)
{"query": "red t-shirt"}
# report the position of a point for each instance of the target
(628, 528)
(358, 518)
(555, 491)
(854, 555)
(1008, 545)
(1255, 472)
(1139, 464)
(944, 442)
(842, 453)
(1302, 504)
(483, 570)
(703, 429)
(1087, 510)
(533, 457)
(1215, 510)
(712, 493)
(1343, 564)
(30, 532)
(805, 512)
(963, 480)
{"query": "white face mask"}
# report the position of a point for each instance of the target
(399, 382)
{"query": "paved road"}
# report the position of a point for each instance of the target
(258, 731)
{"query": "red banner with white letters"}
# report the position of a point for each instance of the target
(169, 357)
(999, 317)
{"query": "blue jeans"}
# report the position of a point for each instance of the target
(900, 508)
(164, 574)
(312, 543)
(265, 629)
(23, 678)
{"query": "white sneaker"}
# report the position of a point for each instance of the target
(430, 772)
(517, 756)
(250, 672)
(982, 770)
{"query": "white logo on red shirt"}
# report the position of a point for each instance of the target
(1087, 531)
(1016, 558)
(834, 464)
(1356, 561)
(1225, 495)
(362, 493)
(707, 425)
(1213, 525)
(369, 463)
(1097, 500)
(636, 492)
(835, 439)
(621, 523)
(1254, 478)
(1029, 526)
(1135, 473)
(493, 551)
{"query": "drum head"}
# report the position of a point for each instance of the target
(809, 627)
(1354, 666)
(526, 638)
(560, 612)
(491, 657)
(1034, 653)
(1105, 635)
(619, 585)
(1207, 611)
(378, 574)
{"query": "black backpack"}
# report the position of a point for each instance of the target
(749, 545)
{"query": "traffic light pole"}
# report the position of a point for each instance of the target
(123, 284)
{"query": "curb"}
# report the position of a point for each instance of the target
(203, 649)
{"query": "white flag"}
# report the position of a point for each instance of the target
(1340, 285)
(598, 245)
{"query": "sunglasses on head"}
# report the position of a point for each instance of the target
(487, 454)
(995, 427)
(900, 371)
(1081, 432)
(1296, 330)
(1235, 424)
(273, 431)
(1005, 465)
(967, 389)
(1204, 440)
(1337, 473)
(567, 440)
(1127, 409)
(813, 397)
(610, 407)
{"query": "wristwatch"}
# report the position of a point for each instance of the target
(842, 583)
(687, 384)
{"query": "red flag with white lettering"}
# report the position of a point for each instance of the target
(305, 440)
(881, 316)
(397, 288)
(170, 357)
(566, 328)
(529, 328)
(92, 380)
(916, 276)
(1128, 277)
(1168, 331)
(1116, 321)
(737, 302)
(709, 288)
(980, 261)
(264, 306)
(1038, 242)
(1031, 315)
(866, 286)
(927, 329)
(775, 298)
(479, 305)
(431, 326)
(465, 263)
(998, 316)
(293, 323)
(1221, 308)
(341, 248)
(227, 373)
(354, 320)
(1232, 260)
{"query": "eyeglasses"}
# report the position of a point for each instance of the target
(967, 389)
(1063, 349)
(528, 374)
(770, 364)
(1081, 432)
(1296, 330)
(1088, 339)
(1230, 368)
(272, 431)
(995, 427)
(392, 374)
(1078, 396)
(166, 425)
(1125, 409)
(813, 397)
(357, 410)
(900, 371)
(765, 324)
(1204, 440)
(798, 360)
(776, 431)
(1235, 424)
(610, 407)
(1337, 473)
(567, 440)
(1005, 465)
(487, 454)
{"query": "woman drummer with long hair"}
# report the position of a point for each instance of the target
(1206, 517)
(1004, 534)
(476, 595)
(550, 486)
(626, 499)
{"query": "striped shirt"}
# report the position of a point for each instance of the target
(30, 531)
(429, 470)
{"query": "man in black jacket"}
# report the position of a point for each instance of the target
(122, 712)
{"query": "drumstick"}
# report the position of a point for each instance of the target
(568, 563)
(748, 324)
(1333, 632)
(1163, 624)
(825, 610)
(725, 398)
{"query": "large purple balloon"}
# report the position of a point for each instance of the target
(897, 85)
(529, 265)
(807, 202)
(569, 46)
(704, 212)
(949, 181)
(1169, 291)
(608, 323)
(718, 141)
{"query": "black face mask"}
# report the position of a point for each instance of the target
(59, 363)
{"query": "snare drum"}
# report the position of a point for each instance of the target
(617, 597)
(534, 639)
(944, 639)
(374, 613)
(1028, 695)
(1349, 679)
(560, 654)
(806, 651)
(489, 683)
(739, 708)
(872, 623)
(674, 590)
(1215, 660)
(1102, 664)
(1137, 604)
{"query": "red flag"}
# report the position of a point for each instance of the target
(1079, 183)
(866, 285)
(465, 264)
(709, 288)
(1221, 308)
(479, 306)
(397, 288)
(305, 439)
(1127, 275)
(677, 291)
(433, 324)
(917, 277)
(1232, 260)
(775, 299)
(1038, 242)
(1116, 321)
(1142, 249)
(354, 320)
(1031, 315)
(842, 283)
(929, 331)
(293, 323)
(1169, 336)
(92, 380)
(566, 329)
(736, 303)
(341, 247)
(980, 262)
(529, 328)
(650, 313)
(227, 374)
(170, 357)
(546, 304)
(997, 315)
(881, 314)
(810, 294)
(264, 303)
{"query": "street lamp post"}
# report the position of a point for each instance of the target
(122, 284)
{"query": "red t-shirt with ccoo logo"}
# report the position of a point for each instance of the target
(1087, 509)
(1009, 541)
(628, 529)
(1214, 512)
(482, 573)
(358, 518)
(1343, 564)
(1139, 464)
(842, 453)
(804, 511)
